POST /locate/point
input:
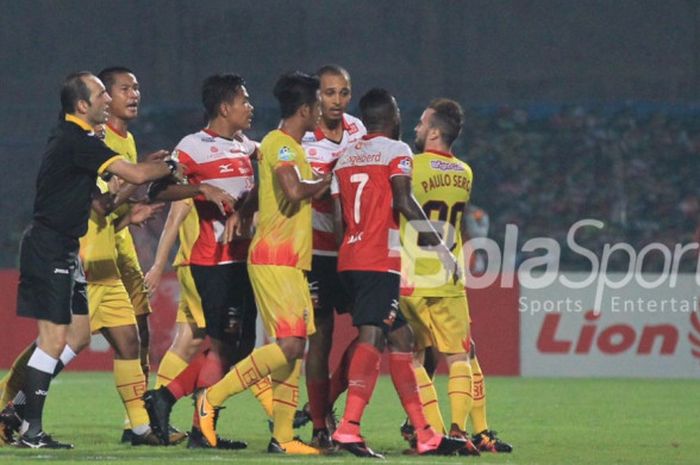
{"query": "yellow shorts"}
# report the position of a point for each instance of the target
(189, 307)
(441, 322)
(132, 276)
(110, 307)
(283, 299)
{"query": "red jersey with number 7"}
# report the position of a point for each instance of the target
(362, 180)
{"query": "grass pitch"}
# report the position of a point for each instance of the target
(548, 421)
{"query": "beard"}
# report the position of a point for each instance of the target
(419, 145)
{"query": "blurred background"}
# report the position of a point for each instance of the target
(575, 109)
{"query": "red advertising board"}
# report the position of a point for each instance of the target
(494, 311)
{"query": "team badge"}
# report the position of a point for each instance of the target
(286, 154)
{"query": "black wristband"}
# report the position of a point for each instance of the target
(172, 165)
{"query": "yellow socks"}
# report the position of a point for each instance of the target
(428, 397)
(260, 363)
(131, 384)
(285, 392)
(478, 413)
(459, 389)
(170, 366)
(14, 379)
(262, 390)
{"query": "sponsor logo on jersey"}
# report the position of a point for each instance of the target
(364, 158)
(355, 238)
(207, 139)
(286, 154)
(406, 166)
(313, 151)
(225, 168)
(61, 271)
(214, 149)
(445, 166)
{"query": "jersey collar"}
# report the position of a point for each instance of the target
(121, 134)
(318, 132)
(372, 135)
(441, 153)
(83, 124)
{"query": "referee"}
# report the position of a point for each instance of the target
(51, 283)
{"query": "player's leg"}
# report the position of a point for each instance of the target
(112, 315)
(130, 380)
(12, 381)
(327, 294)
(190, 330)
(484, 438)
(285, 305)
(413, 310)
(401, 344)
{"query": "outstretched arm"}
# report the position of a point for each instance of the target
(178, 212)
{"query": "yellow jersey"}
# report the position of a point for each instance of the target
(98, 250)
(124, 145)
(442, 185)
(188, 233)
(284, 232)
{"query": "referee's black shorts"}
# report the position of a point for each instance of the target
(51, 281)
(375, 299)
(225, 290)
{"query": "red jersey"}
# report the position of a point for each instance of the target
(224, 163)
(362, 179)
(323, 153)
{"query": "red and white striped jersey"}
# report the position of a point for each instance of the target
(323, 153)
(224, 163)
(362, 179)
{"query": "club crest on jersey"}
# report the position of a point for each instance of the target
(286, 154)
(406, 166)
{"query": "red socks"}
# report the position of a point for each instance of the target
(362, 377)
(212, 370)
(404, 379)
(185, 383)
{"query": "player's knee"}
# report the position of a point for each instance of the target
(401, 339)
(292, 347)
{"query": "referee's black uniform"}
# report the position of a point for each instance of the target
(51, 283)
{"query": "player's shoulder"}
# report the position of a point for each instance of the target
(353, 125)
(277, 144)
(191, 143)
(393, 148)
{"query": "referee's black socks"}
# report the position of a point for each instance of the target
(40, 370)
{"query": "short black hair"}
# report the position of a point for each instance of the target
(377, 108)
(294, 90)
(336, 70)
(108, 75)
(448, 117)
(217, 89)
(73, 90)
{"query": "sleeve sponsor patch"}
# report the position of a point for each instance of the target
(405, 165)
(286, 154)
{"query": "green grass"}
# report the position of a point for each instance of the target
(549, 421)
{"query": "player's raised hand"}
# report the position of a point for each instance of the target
(222, 199)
